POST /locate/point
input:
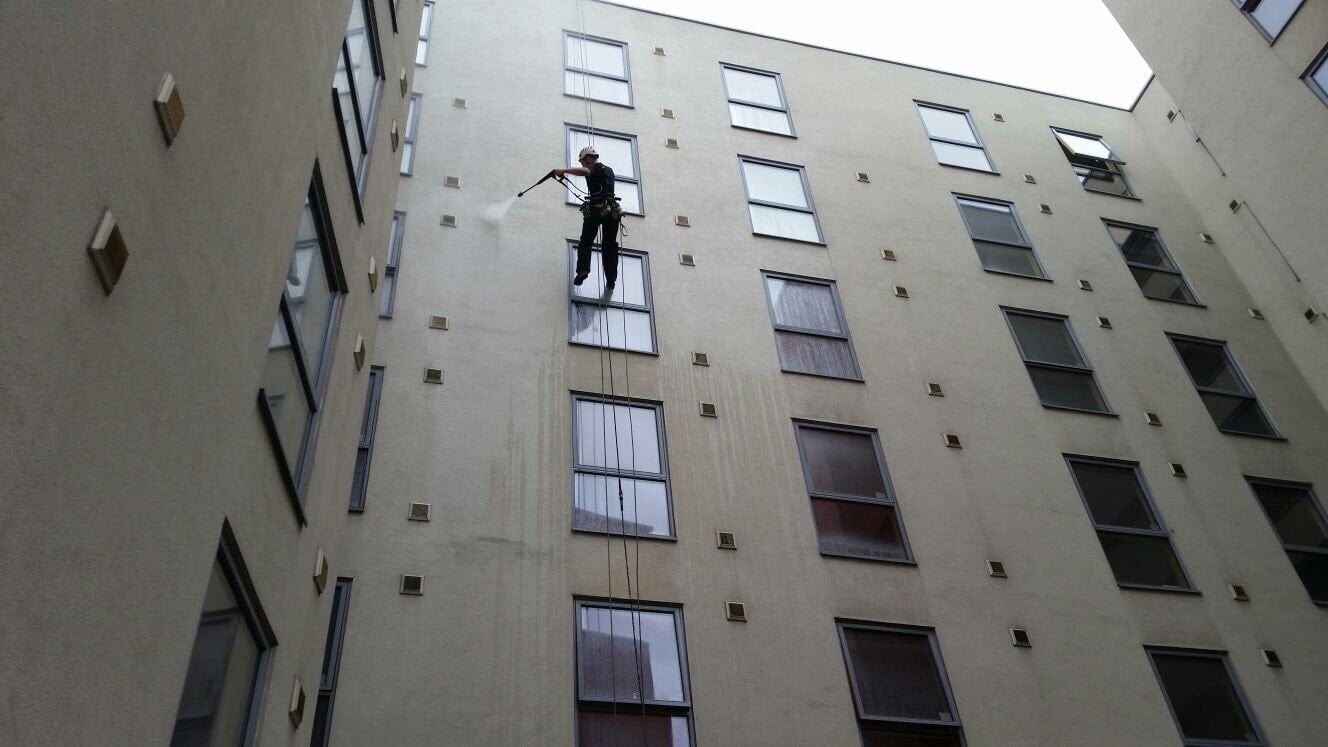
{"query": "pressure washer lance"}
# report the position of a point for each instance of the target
(542, 179)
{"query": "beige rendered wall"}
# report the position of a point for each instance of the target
(486, 655)
(128, 424)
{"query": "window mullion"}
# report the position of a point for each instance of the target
(885, 501)
(1134, 531)
(1059, 366)
(780, 206)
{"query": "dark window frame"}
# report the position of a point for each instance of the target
(365, 123)
(1320, 62)
(393, 264)
(568, 67)
(1113, 164)
(327, 681)
(779, 84)
(359, 488)
(1248, 394)
(411, 132)
(296, 477)
(890, 500)
(663, 476)
(648, 308)
(960, 198)
(595, 132)
(955, 726)
(1166, 252)
(1007, 311)
(839, 311)
(919, 104)
(1162, 532)
(1253, 481)
(1260, 738)
(426, 32)
(1247, 8)
(806, 191)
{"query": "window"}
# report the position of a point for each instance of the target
(596, 68)
(953, 137)
(1060, 372)
(853, 505)
(300, 348)
(364, 453)
(1222, 387)
(780, 200)
(624, 321)
(412, 129)
(357, 87)
(1316, 77)
(999, 237)
(1298, 518)
(900, 692)
(811, 333)
(1151, 264)
(618, 152)
(327, 681)
(426, 24)
(1204, 697)
(631, 675)
(223, 687)
(388, 295)
(1096, 165)
(1136, 542)
(618, 449)
(1269, 16)
(756, 100)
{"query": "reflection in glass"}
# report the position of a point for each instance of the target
(608, 646)
(1015, 260)
(842, 462)
(958, 155)
(862, 530)
(895, 675)
(1203, 698)
(787, 224)
(1045, 340)
(756, 118)
(644, 509)
(1073, 389)
(285, 395)
(636, 446)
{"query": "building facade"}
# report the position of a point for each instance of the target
(925, 410)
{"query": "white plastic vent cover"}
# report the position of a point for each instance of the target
(1028, 178)
(459, 103)
(666, 113)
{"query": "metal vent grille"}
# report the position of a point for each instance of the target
(1270, 657)
(1206, 238)
(459, 103)
(659, 51)
(412, 584)
(1177, 469)
(996, 569)
(666, 113)
(1104, 322)
(1028, 178)
(420, 511)
(1019, 637)
(725, 540)
(358, 352)
(433, 376)
(373, 274)
(681, 220)
(108, 252)
(708, 410)
(862, 177)
(1238, 592)
(402, 79)
(1152, 418)
(671, 142)
(1085, 285)
(1311, 314)
(888, 255)
(700, 359)
(170, 110)
(296, 711)
(395, 133)
(952, 441)
(320, 571)
(901, 291)
(1044, 207)
(935, 389)
(1256, 314)
(1171, 115)
(1234, 205)
(735, 611)
(437, 322)
(448, 220)
(998, 118)
(452, 181)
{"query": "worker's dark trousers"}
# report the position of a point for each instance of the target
(608, 247)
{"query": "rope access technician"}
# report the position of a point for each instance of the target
(600, 209)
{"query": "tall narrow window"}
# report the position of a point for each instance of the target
(1204, 697)
(853, 505)
(900, 692)
(412, 130)
(1060, 371)
(953, 137)
(756, 100)
(357, 87)
(1269, 16)
(618, 450)
(368, 426)
(223, 687)
(618, 152)
(999, 237)
(780, 200)
(300, 347)
(811, 333)
(1133, 536)
(426, 25)
(1298, 519)
(1222, 387)
(1150, 263)
(1316, 76)
(388, 295)
(596, 68)
(623, 320)
(327, 681)
(631, 675)
(1096, 165)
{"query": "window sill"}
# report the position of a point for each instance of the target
(967, 168)
(786, 238)
(1163, 589)
(870, 559)
(598, 101)
(766, 132)
(598, 533)
(651, 353)
(1259, 436)
(857, 380)
(1063, 408)
(1018, 275)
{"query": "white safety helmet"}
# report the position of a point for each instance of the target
(587, 151)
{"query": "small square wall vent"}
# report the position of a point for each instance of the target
(358, 352)
(447, 220)
(1028, 179)
(996, 569)
(433, 376)
(108, 252)
(170, 110)
(862, 177)
(666, 113)
(373, 274)
(1238, 592)
(735, 611)
(412, 584)
(1206, 238)
(681, 220)
(1177, 469)
(935, 389)
(1311, 314)
(901, 291)
(1019, 637)
(1256, 314)
(671, 142)
(452, 181)
(401, 79)
(1234, 205)
(1104, 322)
(296, 711)
(419, 511)
(708, 410)
(437, 322)
(1084, 285)
(1152, 418)
(687, 260)
(320, 571)
(1044, 207)
(1270, 657)
(1171, 115)
(700, 359)
(459, 103)
(659, 51)
(952, 441)
(394, 133)
(725, 540)
(998, 117)
(889, 255)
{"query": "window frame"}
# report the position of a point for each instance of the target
(1261, 739)
(663, 476)
(660, 708)
(1320, 62)
(648, 308)
(1114, 159)
(959, 199)
(806, 191)
(1108, 223)
(839, 311)
(841, 624)
(1162, 532)
(426, 33)
(919, 104)
(1007, 311)
(365, 124)
(779, 85)
(409, 136)
(368, 428)
(1252, 481)
(1249, 392)
(569, 128)
(890, 500)
(393, 264)
(327, 681)
(1247, 8)
(568, 67)
(296, 477)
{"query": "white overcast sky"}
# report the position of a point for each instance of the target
(1070, 47)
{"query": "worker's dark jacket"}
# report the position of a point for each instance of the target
(600, 211)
